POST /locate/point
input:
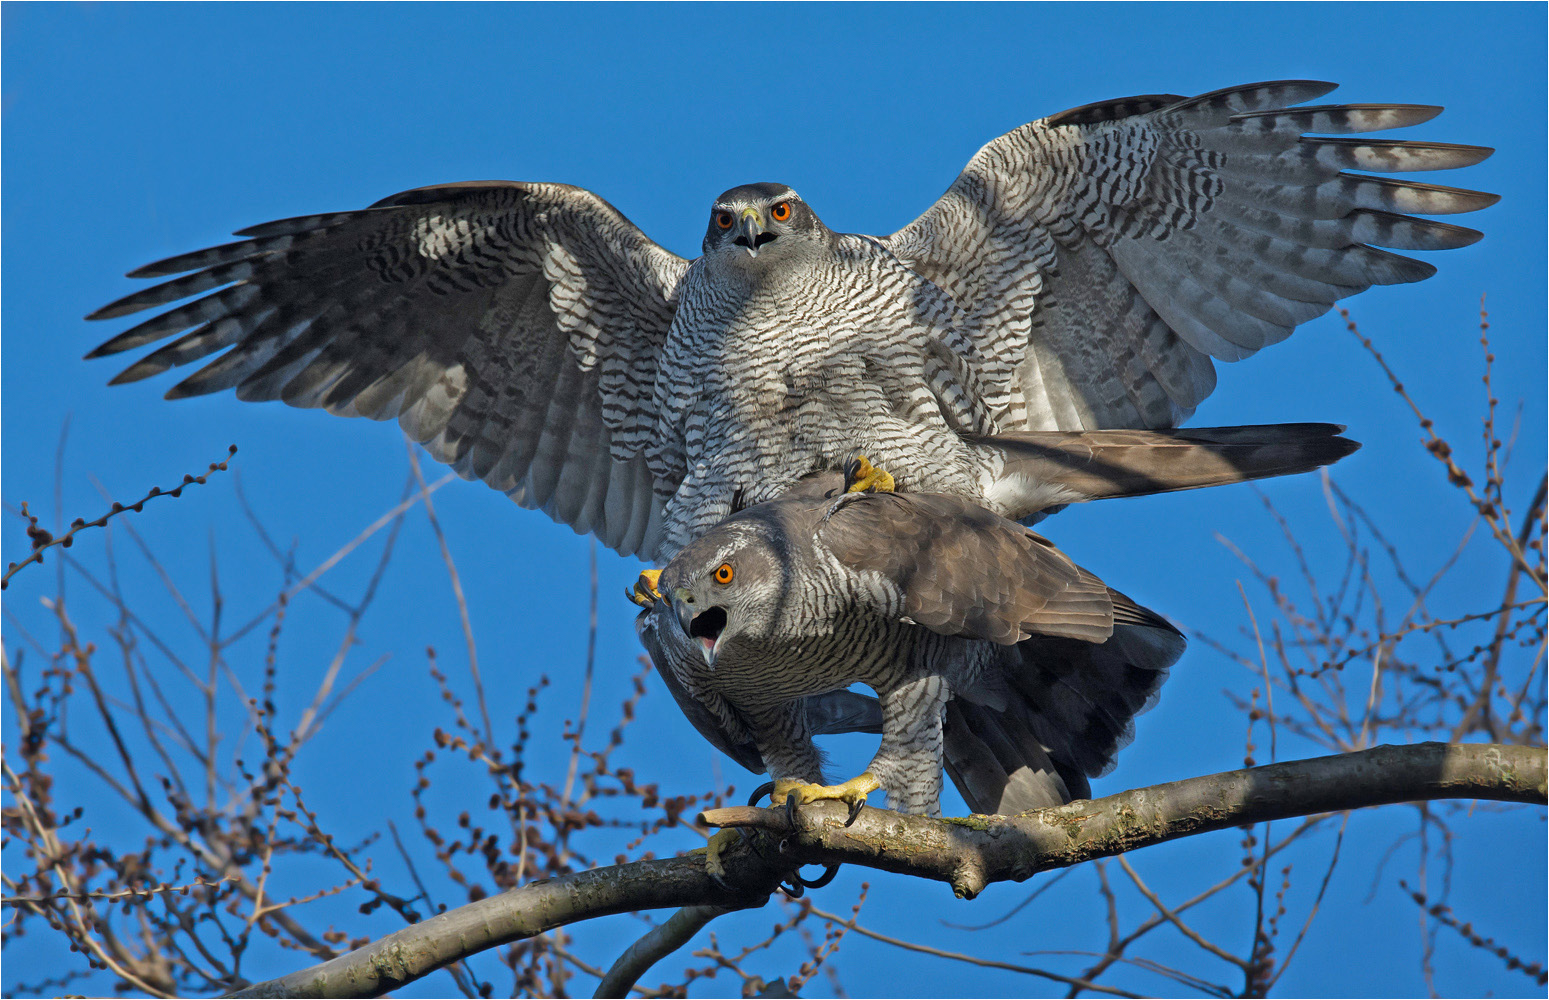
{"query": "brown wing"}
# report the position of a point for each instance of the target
(512, 329)
(964, 571)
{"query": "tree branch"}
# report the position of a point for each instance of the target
(970, 853)
(402, 957)
(655, 945)
(966, 853)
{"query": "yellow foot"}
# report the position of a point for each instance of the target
(852, 792)
(719, 841)
(645, 593)
(860, 476)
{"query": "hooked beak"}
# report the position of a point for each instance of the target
(706, 627)
(752, 235)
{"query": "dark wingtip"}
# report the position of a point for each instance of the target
(181, 391)
(112, 310)
(1465, 237)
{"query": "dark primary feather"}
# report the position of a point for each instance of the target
(1067, 709)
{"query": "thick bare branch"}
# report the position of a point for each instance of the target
(970, 853)
(416, 951)
(966, 853)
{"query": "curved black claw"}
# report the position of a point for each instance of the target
(794, 889)
(760, 792)
(796, 886)
(829, 872)
(852, 472)
(855, 810)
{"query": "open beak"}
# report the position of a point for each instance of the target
(751, 228)
(705, 628)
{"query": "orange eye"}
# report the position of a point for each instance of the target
(723, 573)
(724, 220)
(781, 212)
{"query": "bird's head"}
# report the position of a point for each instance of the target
(728, 586)
(757, 225)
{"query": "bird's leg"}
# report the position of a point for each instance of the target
(781, 734)
(644, 592)
(860, 476)
(908, 763)
(796, 764)
(787, 749)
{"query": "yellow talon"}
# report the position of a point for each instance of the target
(645, 593)
(852, 792)
(860, 476)
(719, 842)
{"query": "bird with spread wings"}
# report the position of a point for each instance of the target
(1031, 340)
(1079, 275)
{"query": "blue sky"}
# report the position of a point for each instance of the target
(136, 132)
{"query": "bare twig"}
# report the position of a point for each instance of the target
(42, 540)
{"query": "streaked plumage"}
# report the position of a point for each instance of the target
(1081, 273)
(989, 650)
(1079, 276)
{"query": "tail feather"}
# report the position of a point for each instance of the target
(1066, 708)
(999, 767)
(1039, 469)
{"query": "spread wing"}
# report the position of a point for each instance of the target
(1109, 252)
(512, 329)
(966, 572)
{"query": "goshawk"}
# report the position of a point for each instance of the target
(1080, 273)
(989, 650)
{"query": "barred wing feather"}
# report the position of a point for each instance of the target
(1108, 253)
(513, 329)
